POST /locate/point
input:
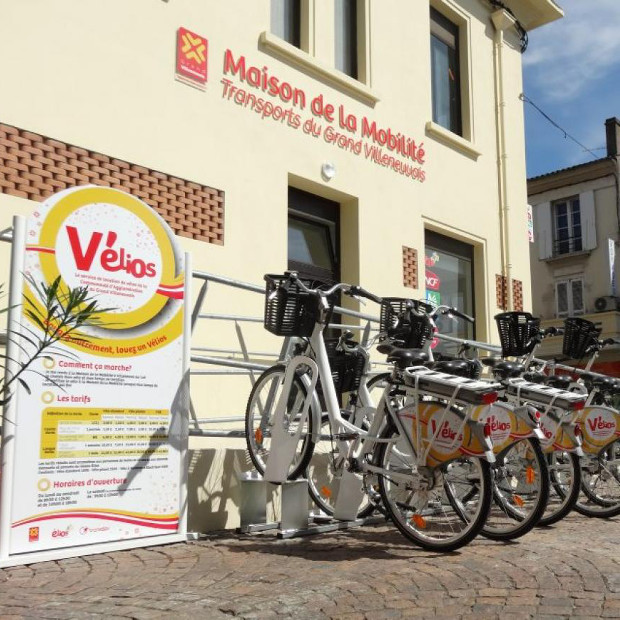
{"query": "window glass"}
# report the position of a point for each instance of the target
(450, 282)
(445, 73)
(286, 20)
(309, 243)
(345, 36)
(567, 224)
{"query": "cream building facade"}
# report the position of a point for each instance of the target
(378, 143)
(577, 226)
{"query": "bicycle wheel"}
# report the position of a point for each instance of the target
(425, 507)
(565, 478)
(259, 420)
(520, 490)
(600, 483)
(324, 473)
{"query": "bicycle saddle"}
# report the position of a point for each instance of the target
(461, 368)
(604, 383)
(535, 377)
(559, 381)
(404, 358)
(502, 368)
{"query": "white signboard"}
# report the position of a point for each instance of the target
(611, 244)
(100, 436)
(530, 224)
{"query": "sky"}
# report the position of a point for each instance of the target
(571, 71)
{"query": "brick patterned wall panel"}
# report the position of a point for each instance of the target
(35, 167)
(501, 291)
(410, 267)
(517, 295)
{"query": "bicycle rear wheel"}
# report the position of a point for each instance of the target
(433, 518)
(565, 478)
(600, 483)
(259, 420)
(520, 490)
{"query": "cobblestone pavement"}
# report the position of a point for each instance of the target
(570, 570)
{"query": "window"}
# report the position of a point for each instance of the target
(449, 275)
(567, 235)
(569, 297)
(345, 36)
(286, 20)
(445, 74)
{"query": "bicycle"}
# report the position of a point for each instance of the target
(416, 452)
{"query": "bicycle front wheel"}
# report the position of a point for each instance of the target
(600, 483)
(259, 420)
(565, 478)
(425, 507)
(520, 490)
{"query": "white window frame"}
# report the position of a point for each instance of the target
(569, 203)
(570, 310)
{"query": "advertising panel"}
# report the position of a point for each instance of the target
(101, 426)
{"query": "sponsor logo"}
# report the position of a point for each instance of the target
(33, 534)
(58, 533)
(448, 438)
(600, 424)
(93, 530)
(499, 423)
(192, 55)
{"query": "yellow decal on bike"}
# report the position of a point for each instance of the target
(258, 436)
(600, 426)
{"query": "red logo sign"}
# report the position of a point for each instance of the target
(192, 50)
(432, 281)
(33, 534)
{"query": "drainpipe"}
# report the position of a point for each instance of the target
(501, 21)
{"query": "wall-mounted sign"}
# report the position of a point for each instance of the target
(192, 57)
(99, 437)
(530, 224)
(432, 280)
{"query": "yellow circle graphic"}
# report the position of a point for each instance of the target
(49, 363)
(44, 484)
(89, 195)
(47, 397)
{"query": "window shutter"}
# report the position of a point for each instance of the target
(577, 296)
(544, 229)
(561, 298)
(588, 220)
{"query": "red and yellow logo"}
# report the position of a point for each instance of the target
(33, 534)
(192, 51)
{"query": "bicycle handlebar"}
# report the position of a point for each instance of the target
(453, 311)
(358, 291)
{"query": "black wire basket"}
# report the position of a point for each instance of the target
(517, 332)
(289, 311)
(347, 367)
(404, 322)
(579, 335)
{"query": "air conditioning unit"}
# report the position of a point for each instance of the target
(606, 303)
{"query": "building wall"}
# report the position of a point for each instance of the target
(99, 77)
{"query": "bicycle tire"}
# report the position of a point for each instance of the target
(415, 522)
(564, 491)
(323, 474)
(257, 422)
(596, 504)
(520, 490)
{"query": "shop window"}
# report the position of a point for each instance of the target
(569, 297)
(445, 73)
(567, 226)
(345, 36)
(313, 236)
(449, 274)
(286, 20)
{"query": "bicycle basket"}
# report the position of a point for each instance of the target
(409, 326)
(579, 334)
(289, 311)
(517, 332)
(346, 367)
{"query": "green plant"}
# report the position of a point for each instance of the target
(59, 313)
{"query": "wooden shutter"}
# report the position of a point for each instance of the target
(588, 220)
(544, 230)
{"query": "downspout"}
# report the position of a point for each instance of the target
(502, 20)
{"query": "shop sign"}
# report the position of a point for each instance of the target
(99, 437)
(192, 54)
(432, 280)
(530, 224)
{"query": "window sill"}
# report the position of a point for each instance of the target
(559, 257)
(298, 58)
(450, 139)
